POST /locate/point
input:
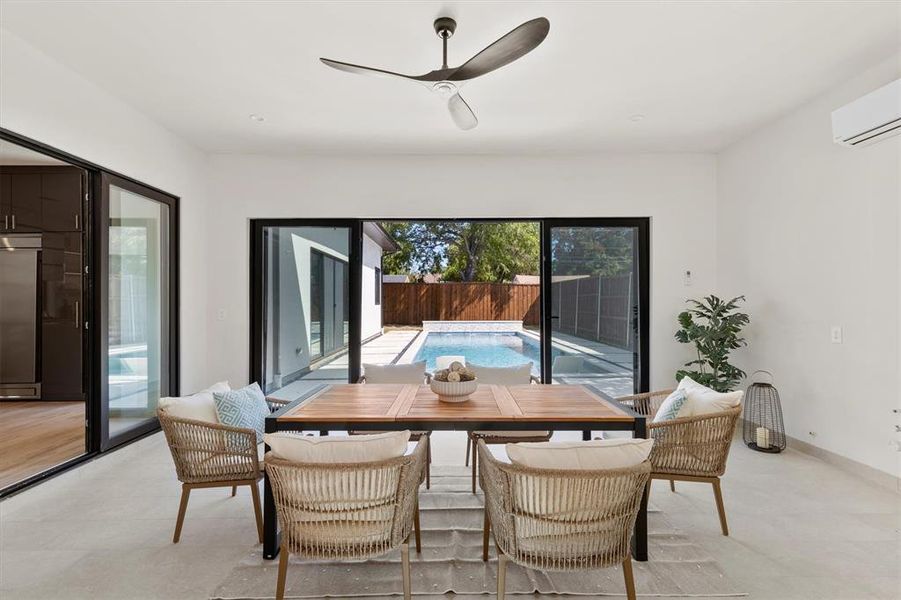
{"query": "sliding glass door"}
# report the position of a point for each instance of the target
(302, 303)
(596, 303)
(138, 357)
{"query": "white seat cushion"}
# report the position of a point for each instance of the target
(196, 407)
(520, 374)
(703, 400)
(409, 373)
(338, 449)
(591, 455)
(444, 362)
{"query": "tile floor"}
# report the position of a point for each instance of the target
(800, 528)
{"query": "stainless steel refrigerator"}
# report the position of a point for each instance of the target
(20, 276)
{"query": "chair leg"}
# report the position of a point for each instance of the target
(627, 575)
(182, 508)
(501, 576)
(257, 510)
(672, 485)
(475, 459)
(468, 448)
(417, 529)
(718, 495)
(234, 490)
(428, 462)
(282, 573)
(486, 528)
(405, 565)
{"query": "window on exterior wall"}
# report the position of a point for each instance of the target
(378, 286)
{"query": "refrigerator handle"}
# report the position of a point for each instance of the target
(77, 320)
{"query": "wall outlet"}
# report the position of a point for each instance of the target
(221, 314)
(835, 334)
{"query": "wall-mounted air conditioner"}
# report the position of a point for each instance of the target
(870, 118)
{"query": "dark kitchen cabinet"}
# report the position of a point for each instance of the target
(6, 208)
(25, 198)
(62, 321)
(61, 199)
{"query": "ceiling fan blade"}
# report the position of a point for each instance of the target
(515, 44)
(461, 113)
(361, 70)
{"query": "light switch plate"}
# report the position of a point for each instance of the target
(835, 334)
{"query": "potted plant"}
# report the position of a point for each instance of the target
(714, 327)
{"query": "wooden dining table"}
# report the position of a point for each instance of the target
(383, 407)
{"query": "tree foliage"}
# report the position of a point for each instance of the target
(592, 250)
(713, 326)
(464, 251)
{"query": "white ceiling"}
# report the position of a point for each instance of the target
(702, 73)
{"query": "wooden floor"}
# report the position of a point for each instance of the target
(36, 435)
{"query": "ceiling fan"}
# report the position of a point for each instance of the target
(447, 81)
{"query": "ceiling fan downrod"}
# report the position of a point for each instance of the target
(445, 27)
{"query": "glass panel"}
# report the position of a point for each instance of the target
(305, 316)
(594, 307)
(138, 310)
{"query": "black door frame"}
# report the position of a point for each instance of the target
(257, 269)
(91, 297)
(258, 289)
(100, 362)
(642, 325)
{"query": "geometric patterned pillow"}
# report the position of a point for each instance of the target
(245, 408)
(669, 408)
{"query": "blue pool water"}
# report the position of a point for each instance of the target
(482, 348)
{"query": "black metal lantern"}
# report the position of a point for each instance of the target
(763, 430)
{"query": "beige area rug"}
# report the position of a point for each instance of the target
(451, 564)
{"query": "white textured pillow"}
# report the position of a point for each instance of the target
(517, 375)
(338, 449)
(674, 406)
(409, 373)
(592, 455)
(196, 407)
(703, 400)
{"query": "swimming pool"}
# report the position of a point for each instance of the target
(483, 348)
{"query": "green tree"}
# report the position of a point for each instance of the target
(592, 250)
(713, 326)
(465, 251)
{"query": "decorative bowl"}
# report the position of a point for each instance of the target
(453, 391)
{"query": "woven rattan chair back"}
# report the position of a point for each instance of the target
(346, 511)
(562, 520)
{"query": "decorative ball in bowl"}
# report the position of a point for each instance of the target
(454, 384)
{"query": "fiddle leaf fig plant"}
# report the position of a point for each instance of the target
(714, 327)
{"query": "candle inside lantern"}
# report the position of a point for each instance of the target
(763, 437)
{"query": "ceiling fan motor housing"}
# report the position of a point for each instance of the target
(445, 27)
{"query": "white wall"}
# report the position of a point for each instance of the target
(808, 231)
(44, 100)
(677, 191)
(371, 321)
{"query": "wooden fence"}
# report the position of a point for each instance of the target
(413, 303)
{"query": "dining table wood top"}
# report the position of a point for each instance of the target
(398, 404)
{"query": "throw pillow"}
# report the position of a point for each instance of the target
(245, 408)
(409, 373)
(703, 400)
(672, 406)
(520, 374)
(196, 407)
(592, 455)
(338, 449)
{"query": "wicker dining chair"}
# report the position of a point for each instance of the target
(415, 436)
(348, 511)
(689, 448)
(501, 437)
(560, 520)
(208, 455)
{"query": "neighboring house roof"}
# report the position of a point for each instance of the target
(395, 278)
(377, 234)
(431, 278)
(527, 279)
